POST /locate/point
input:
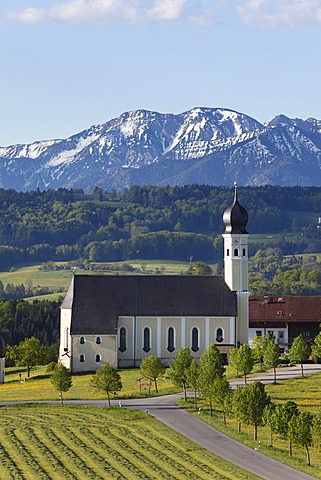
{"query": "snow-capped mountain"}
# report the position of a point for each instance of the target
(204, 145)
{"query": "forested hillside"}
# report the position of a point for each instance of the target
(149, 222)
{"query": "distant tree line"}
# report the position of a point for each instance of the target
(150, 222)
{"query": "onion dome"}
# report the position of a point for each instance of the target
(3, 347)
(235, 217)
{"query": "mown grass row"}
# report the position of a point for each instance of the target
(49, 441)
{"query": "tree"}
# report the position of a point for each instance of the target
(177, 370)
(221, 392)
(316, 348)
(152, 368)
(193, 378)
(270, 419)
(299, 351)
(284, 413)
(249, 403)
(257, 349)
(271, 357)
(30, 353)
(106, 380)
(242, 360)
(211, 364)
(300, 431)
(316, 430)
(61, 380)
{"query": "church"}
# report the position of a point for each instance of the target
(121, 319)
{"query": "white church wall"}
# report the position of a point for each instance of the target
(65, 337)
(91, 352)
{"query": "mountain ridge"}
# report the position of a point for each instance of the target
(202, 145)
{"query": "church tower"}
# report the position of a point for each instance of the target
(235, 219)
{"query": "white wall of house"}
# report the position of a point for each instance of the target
(280, 334)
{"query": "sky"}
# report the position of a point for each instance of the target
(69, 64)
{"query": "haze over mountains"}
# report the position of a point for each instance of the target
(212, 146)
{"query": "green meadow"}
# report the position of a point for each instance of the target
(75, 442)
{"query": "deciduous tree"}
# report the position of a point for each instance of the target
(152, 368)
(106, 380)
(300, 431)
(242, 359)
(177, 370)
(30, 353)
(299, 351)
(61, 380)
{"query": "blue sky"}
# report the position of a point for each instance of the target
(69, 64)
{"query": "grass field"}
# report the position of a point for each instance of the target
(71, 442)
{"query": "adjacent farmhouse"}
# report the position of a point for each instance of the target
(121, 319)
(285, 317)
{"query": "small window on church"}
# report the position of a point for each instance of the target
(171, 339)
(98, 340)
(82, 358)
(97, 358)
(195, 340)
(244, 252)
(236, 252)
(146, 339)
(219, 335)
(122, 339)
(82, 340)
(228, 252)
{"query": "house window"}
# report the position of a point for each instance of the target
(219, 337)
(97, 358)
(82, 358)
(279, 313)
(307, 334)
(122, 339)
(82, 340)
(195, 339)
(98, 340)
(258, 333)
(236, 252)
(171, 339)
(280, 334)
(146, 339)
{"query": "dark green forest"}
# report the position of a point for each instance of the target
(149, 222)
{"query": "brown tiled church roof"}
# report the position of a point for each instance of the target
(285, 308)
(98, 300)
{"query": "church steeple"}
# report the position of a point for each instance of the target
(235, 219)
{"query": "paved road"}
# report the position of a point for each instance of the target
(165, 409)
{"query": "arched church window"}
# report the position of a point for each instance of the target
(146, 339)
(97, 358)
(66, 338)
(228, 252)
(82, 340)
(244, 252)
(236, 252)
(122, 339)
(82, 358)
(98, 340)
(219, 337)
(195, 339)
(171, 339)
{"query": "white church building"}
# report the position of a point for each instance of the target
(121, 319)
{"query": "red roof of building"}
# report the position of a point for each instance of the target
(285, 308)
